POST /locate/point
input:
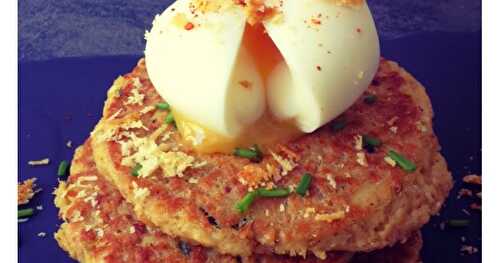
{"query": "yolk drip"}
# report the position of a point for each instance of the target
(262, 48)
(264, 132)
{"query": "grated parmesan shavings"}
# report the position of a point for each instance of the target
(390, 161)
(39, 162)
(361, 159)
(330, 217)
(286, 164)
(358, 142)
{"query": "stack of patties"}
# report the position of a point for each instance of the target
(257, 131)
(356, 190)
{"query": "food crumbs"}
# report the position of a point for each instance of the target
(331, 181)
(135, 98)
(25, 191)
(472, 179)
(420, 126)
(39, 162)
(253, 176)
(361, 159)
(469, 249)
(286, 164)
(390, 161)
(330, 217)
(112, 117)
(392, 120)
(42, 234)
(147, 109)
(99, 232)
(358, 142)
(193, 180)
(464, 192)
(309, 211)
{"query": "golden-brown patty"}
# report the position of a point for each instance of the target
(357, 201)
(100, 226)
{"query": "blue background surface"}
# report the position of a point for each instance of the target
(68, 28)
(61, 98)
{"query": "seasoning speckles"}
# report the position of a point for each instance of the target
(245, 84)
(189, 26)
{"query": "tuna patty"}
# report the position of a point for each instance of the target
(358, 200)
(100, 226)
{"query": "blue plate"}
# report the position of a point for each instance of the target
(61, 100)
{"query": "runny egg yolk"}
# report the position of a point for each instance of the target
(265, 131)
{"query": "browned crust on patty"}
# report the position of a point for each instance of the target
(98, 222)
(380, 204)
(25, 191)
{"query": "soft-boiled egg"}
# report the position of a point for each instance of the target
(246, 72)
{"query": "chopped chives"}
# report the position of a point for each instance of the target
(338, 125)
(136, 169)
(276, 192)
(369, 141)
(63, 167)
(254, 153)
(24, 213)
(163, 106)
(245, 203)
(458, 223)
(249, 198)
(304, 183)
(245, 153)
(402, 162)
(370, 99)
(170, 118)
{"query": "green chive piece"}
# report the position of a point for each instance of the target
(243, 205)
(402, 162)
(163, 106)
(305, 181)
(136, 169)
(245, 153)
(458, 222)
(338, 125)
(371, 141)
(24, 213)
(253, 153)
(370, 99)
(170, 118)
(63, 167)
(276, 192)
